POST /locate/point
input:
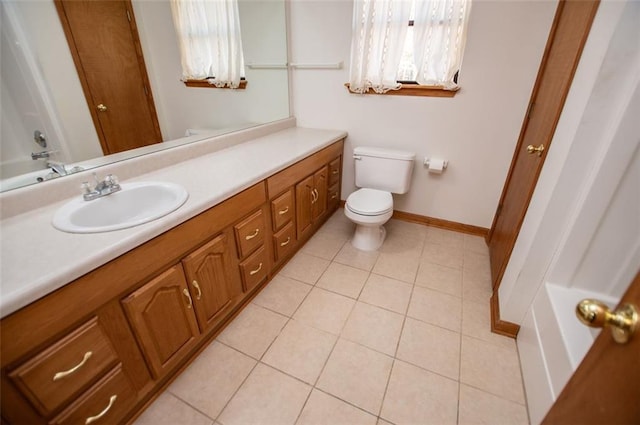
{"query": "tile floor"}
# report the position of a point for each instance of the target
(340, 336)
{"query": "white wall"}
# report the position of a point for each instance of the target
(476, 130)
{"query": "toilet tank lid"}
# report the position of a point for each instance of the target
(384, 153)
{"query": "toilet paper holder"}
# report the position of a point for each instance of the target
(427, 162)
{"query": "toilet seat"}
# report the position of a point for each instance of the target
(370, 202)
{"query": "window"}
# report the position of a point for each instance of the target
(210, 42)
(408, 46)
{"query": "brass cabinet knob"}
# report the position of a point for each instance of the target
(535, 149)
(102, 108)
(623, 321)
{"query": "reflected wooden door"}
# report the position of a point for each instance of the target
(566, 40)
(103, 39)
(604, 389)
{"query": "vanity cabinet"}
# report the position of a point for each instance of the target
(115, 337)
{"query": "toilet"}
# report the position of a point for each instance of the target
(379, 172)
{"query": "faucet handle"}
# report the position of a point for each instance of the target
(86, 189)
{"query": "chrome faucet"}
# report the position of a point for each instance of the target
(40, 155)
(103, 188)
(58, 167)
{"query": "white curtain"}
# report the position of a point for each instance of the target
(209, 39)
(440, 28)
(379, 29)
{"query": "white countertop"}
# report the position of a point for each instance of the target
(37, 259)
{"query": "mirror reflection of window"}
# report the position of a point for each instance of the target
(210, 42)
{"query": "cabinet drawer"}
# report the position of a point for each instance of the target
(334, 171)
(333, 196)
(254, 269)
(105, 403)
(284, 242)
(250, 233)
(282, 210)
(61, 371)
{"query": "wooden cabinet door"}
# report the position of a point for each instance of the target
(304, 197)
(161, 314)
(320, 184)
(210, 280)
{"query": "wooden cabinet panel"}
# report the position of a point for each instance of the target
(63, 370)
(161, 314)
(282, 210)
(284, 242)
(304, 197)
(333, 194)
(105, 403)
(334, 171)
(209, 273)
(250, 233)
(319, 204)
(254, 269)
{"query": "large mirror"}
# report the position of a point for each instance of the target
(44, 108)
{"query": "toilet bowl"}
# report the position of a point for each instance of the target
(369, 209)
(379, 173)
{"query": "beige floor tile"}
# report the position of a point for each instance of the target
(444, 237)
(344, 280)
(430, 347)
(267, 396)
(305, 268)
(339, 225)
(387, 293)
(436, 308)
(324, 409)
(324, 245)
(403, 243)
(475, 288)
(414, 230)
(324, 310)
(353, 257)
(374, 327)
(300, 351)
(491, 368)
(282, 295)
(383, 422)
(397, 266)
(169, 410)
(477, 265)
(481, 408)
(212, 379)
(416, 396)
(476, 244)
(476, 322)
(253, 330)
(357, 375)
(443, 255)
(441, 278)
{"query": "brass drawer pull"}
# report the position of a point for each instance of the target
(285, 243)
(334, 172)
(185, 291)
(284, 211)
(195, 285)
(61, 375)
(252, 272)
(334, 196)
(253, 235)
(91, 419)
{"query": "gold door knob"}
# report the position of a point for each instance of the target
(102, 108)
(623, 321)
(533, 149)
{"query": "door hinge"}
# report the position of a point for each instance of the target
(128, 16)
(499, 210)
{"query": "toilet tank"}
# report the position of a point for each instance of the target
(383, 169)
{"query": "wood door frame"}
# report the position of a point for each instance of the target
(497, 325)
(66, 27)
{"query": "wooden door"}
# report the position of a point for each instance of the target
(304, 207)
(567, 37)
(211, 281)
(604, 389)
(103, 39)
(320, 184)
(161, 314)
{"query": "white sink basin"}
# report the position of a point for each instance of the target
(135, 204)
